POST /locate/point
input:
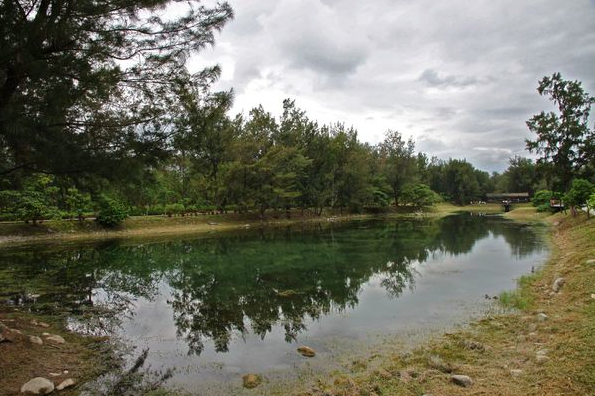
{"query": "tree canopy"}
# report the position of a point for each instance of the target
(90, 87)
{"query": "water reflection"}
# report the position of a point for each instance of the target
(248, 282)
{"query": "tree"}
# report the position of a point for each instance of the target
(111, 212)
(460, 181)
(420, 195)
(579, 193)
(78, 203)
(86, 87)
(564, 139)
(399, 162)
(35, 201)
(521, 175)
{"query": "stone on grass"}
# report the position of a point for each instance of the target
(35, 340)
(541, 317)
(542, 352)
(55, 338)
(591, 262)
(462, 380)
(251, 381)
(541, 359)
(516, 372)
(67, 383)
(558, 283)
(306, 351)
(593, 296)
(38, 386)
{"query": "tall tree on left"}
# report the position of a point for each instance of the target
(88, 87)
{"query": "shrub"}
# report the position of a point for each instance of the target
(111, 212)
(542, 197)
(174, 209)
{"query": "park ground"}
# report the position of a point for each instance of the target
(159, 227)
(510, 353)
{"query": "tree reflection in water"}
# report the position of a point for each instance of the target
(252, 281)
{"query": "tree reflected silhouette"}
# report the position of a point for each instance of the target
(250, 281)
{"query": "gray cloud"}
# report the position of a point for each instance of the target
(458, 76)
(432, 79)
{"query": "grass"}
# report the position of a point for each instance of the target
(521, 298)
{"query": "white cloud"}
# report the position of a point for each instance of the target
(456, 75)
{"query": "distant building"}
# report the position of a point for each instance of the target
(511, 197)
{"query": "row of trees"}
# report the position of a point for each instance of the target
(259, 163)
(97, 108)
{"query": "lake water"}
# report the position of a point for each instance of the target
(217, 307)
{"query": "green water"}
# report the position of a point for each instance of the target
(217, 307)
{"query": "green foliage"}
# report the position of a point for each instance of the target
(579, 192)
(78, 203)
(461, 182)
(111, 212)
(174, 209)
(542, 197)
(564, 140)
(419, 195)
(591, 202)
(34, 202)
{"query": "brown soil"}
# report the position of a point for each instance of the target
(22, 360)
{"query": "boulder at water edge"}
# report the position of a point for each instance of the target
(306, 351)
(38, 386)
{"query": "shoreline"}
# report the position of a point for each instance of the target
(543, 343)
(484, 348)
(155, 227)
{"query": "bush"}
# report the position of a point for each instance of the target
(174, 209)
(542, 197)
(111, 212)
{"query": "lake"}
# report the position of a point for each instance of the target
(217, 307)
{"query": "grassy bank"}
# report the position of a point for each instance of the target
(543, 345)
(12, 234)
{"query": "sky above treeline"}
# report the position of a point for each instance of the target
(458, 76)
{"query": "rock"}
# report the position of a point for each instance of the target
(65, 371)
(591, 262)
(45, 334)
(516, 372)
(251, 381)
(558, 283)
(542, 352)
(541, 359)
(43, 324)
(35, 340)
(462, 380)
(55, 374)
(306, 351)
(38, 386)
(541, 317)
(67, 383)
(55, 338)
(473, 345)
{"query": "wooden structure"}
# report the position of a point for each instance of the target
(511, 197)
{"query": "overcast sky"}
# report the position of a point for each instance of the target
(458, 76)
